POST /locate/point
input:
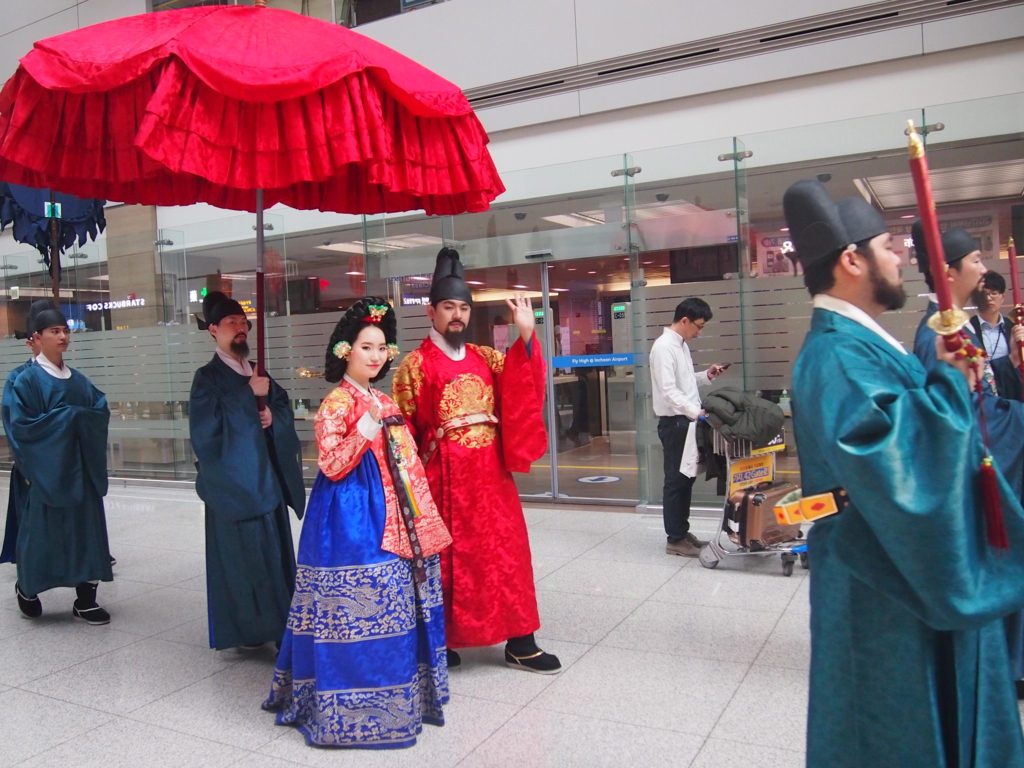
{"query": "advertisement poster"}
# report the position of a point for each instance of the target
(773, 249)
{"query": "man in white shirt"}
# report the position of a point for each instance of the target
(677, 403)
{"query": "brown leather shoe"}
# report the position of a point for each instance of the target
(687, 547)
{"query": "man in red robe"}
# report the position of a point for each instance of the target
(477, 416)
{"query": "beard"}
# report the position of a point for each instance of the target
(240, 348)
(456, 338)
(883, 292)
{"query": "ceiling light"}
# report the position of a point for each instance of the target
(572, 269)
(592, 272)
(475, 282)
(353, 273)
(421, 278)
(559, 290)
(983, 181)
(648, 262)
(392, 243)
(516, 285)
(587, 219)
(909, 216)
(784, 229)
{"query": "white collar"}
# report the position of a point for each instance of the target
(357, 385)
(858, 315)
(994, 325)
(243, 368)
(668, 330)
(442, 343)
(58, 373)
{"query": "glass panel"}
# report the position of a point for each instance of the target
(686, 233)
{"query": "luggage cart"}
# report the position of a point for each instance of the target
(747, 467)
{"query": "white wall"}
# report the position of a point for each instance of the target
(25, 21)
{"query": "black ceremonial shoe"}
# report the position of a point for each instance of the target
(539, 662)
(31, 607)
(92, 615)
(454, 660)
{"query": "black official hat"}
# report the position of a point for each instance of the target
(49, 318)
(217, 306)
(449, 281)
(815, 226)
(860, 219)
(33, 311)
(956, 243)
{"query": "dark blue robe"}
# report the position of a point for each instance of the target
(909, 662)
(1004, 417)
(17, 494)
(248, 478)
(60, 429)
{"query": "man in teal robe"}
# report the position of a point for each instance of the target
(17, 494)
(250, 471)
(909, 661)
(1003, 415)
(59, 424)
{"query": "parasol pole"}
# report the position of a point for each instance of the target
(54, 251)
(1018, 308)
(261, 368)
(948, 321)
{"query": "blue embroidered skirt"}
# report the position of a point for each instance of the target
(362, 662)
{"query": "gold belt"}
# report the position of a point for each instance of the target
(459, 422)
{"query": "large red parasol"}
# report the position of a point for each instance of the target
(240, 107)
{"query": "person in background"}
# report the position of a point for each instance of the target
(909, 661)
(992, 329)
(249, 473)
(363, 660)
(59, 422)
(677, 406)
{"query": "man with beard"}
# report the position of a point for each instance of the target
(908, 657)
(249, 473)
(1000, 409)
(477, 417)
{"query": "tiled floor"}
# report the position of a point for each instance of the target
(666, 663)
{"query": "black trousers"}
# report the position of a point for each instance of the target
(678, 487)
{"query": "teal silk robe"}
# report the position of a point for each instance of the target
(248, 477)
(17, 494)
(908, 657)
(60, 429)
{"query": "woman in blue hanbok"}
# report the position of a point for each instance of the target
(363, 661)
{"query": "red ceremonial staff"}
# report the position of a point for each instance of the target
(1018, 308)
(948, 322)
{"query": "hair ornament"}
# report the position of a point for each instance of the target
(393, 351)
(377, 312)
(341, 350)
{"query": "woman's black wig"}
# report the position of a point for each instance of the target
(348, 328)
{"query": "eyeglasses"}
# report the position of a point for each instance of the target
(993, 294)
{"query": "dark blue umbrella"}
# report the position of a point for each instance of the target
(25, 208)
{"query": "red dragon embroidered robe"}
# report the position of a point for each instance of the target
(487, 573)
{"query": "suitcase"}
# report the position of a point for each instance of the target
(752, 518)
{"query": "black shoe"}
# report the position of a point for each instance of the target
(252, 647)
(31, 607)
(539, 662)
(113, 561)
(454, 660)
(91, 614)
(1020, 689)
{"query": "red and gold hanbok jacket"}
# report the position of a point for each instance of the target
(341, 447)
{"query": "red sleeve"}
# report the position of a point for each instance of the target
(521, 388)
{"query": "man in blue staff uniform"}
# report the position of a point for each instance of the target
(909, 662)
(250, 472)
(58, 423)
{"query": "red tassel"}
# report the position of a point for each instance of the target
(994, 523)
